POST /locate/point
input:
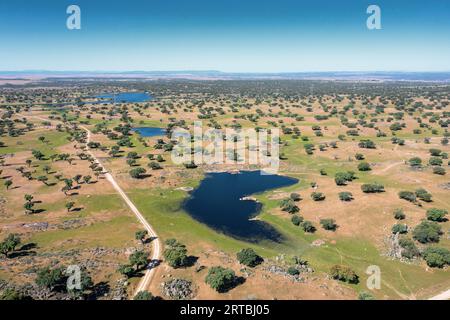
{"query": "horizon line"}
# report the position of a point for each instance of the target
(219, 71)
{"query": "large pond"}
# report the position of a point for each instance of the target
(150, 131)
(124, 97)
(217, 202)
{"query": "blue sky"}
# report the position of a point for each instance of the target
(226, 35)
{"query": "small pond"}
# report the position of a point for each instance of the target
(217, 202)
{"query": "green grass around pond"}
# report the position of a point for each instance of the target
(114, 233)
(162, 208)
(109, 232)
(30, 141)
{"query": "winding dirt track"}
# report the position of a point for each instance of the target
(156, 252)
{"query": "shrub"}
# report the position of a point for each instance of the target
(137, 173)
(407, 195)
(293, 271)
(427, 231)
(372, 188)
(359, 156)
(423, 195)
(307, 226)
(439, 170)
(344, 273)
(437, 215)
(220, 278)
(367, 144)
(317, 196)
(154, 165)
(364, 295)
(409, 249)
(399, 228)
(415, 162)
(175, 254)
(328, 224)
(435, 152)
(51, 278)
(295, 197)
(288, 205)
(345, 196)
(435, 161)
(296, 220)
(436, 257)
(364, 166)
(249, 257)
(190, 165)
(399, 214)
(341, 178)
(144, 295)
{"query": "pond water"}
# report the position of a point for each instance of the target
(125, 97)
(217, 203)
(150, 131)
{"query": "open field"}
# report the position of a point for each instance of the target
(371, 129)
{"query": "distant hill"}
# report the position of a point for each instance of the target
(213, 74)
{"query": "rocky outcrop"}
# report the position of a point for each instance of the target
(178, 289)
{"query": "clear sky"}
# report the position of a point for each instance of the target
(225, 35)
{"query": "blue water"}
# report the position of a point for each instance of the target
(150, 131)
(216, 203)
(126, 97)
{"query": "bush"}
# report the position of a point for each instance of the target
(296, 220)
(137, 173)
(144, 295)
(190, 165)
(423, 195)
(410, 250)
(372, 188)
(436, 257)
(328, 224)
(407, 195)
(175, 254)
(288, 205)
(249, 257)
(220, 278)
(399, 214)
(307, 226)
(295, 197)
(435, 152)
(435, 161)
(399, 228)
(154, 165)
(317, 196)
(344, 273)
(51, 278)
(439, 170)
(345, 196)
(13, 295)
(293, 271)
(364, 295)
(359, 156)
(415, 162)
(437, 215)
(364, 166)
(427, 231)
(9, 244)
(367, 144)
(341, 178)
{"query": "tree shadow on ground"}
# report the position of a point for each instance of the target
(99, 290)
